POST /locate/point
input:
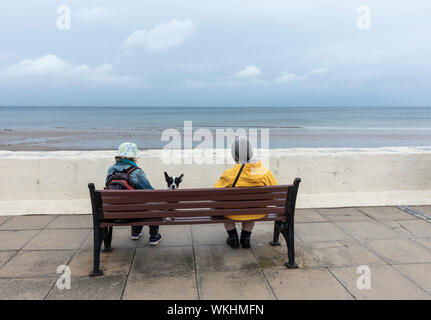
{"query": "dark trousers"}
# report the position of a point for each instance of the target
(154, 230)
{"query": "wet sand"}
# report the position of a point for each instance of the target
(109, 139)
(63, 139)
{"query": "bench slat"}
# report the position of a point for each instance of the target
(193, 192)
(143, 198)
(181, 221)
(192, 204)
(190, 213)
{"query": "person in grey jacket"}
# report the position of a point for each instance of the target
(124, 161)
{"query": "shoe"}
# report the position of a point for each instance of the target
(154, 240)
(136, 233)
(136, 236)
(232, 239)
(245, 239)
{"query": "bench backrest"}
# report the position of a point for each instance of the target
(155, 204)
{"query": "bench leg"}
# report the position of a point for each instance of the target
(275, 242)
(290, 242)
(98, 238)
(108, 240)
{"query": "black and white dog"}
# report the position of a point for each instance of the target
(173, 182)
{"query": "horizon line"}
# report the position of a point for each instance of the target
(204, 106)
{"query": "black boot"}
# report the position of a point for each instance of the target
(233, 240)
(245, 239)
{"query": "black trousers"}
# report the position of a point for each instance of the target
(154, 230)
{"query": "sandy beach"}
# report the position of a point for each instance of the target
(56, 181)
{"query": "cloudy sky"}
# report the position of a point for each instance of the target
(216, 53)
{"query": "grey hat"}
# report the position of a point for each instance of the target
(242, 151)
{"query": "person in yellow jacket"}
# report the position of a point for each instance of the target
(253, 174)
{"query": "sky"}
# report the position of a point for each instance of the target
(215, 53)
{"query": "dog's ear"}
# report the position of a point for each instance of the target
(179, 179)
(166, 177)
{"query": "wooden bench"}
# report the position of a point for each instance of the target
(191, 206)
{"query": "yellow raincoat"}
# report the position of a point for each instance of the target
(254, 174)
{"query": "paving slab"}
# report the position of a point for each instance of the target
(425, 242)
(396, 251)
(25, 289)
(386, 283)
(5, 256)
(86, 288)
(420, 274)
(308, 284)
(171, 236)
(396, 226)
(320, 231)
(386, 213)
(36, 264)
(262, 234)
(328, 244)
(344, 253)
(163, 260)
(120, 239)
(308, 215)
(192, 257)
(209, 234)
(113, 263)
(62, 239)
(363, 230)
(3, 219)
(235, 285)
(27, 222)
(224, 258)
(343, 214)
(270, 257)
(419, 228)
(166, 287)
(69, 221)
(15, 240)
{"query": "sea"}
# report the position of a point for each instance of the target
(288, 127)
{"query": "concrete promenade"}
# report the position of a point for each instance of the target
(193, 262)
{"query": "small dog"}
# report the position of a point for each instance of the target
(173, 182)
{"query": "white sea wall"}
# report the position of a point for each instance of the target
(56, 182)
